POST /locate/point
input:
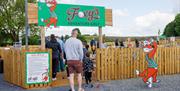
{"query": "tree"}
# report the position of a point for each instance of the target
(81, 37)
(67, 37)
(12, 20)
(170, 30)
(34, 39)
(177, 25)
(173, 28)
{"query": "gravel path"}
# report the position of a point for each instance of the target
(168, 83)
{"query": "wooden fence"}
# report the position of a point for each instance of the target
(111, 64)
(14, 67)
(165, 43)
(116, 63)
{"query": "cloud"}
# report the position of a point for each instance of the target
(144, 25)
(154, 18)
(119, 12)
(153, 21)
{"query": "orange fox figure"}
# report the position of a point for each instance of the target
(53, 18)
(149, 75)
(50, 21)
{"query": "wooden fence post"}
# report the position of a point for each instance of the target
(42, 38)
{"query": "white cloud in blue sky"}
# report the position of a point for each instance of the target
(130, 17)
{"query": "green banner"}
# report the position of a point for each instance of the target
(53, 14)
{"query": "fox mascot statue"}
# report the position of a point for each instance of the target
(149, 75)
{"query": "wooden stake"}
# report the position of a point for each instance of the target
(100, 37)
(42, 38)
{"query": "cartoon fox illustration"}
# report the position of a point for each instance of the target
(53, 18)
(149, 75)
(45, 76)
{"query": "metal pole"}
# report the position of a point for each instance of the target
(26, 23)
(100, 37)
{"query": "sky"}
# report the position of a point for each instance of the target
(130, 17)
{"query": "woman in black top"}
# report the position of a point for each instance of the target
(56, 53)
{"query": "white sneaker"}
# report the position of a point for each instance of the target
(137, 72)
(150, 82)
(54, 79)
(150, 85)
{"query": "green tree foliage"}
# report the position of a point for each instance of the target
(173, 28)
(81, 37)
(34, 39)
(12, 20)
(177, 24)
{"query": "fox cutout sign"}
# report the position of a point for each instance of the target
(149, 75)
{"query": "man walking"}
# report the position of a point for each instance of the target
(74, 56)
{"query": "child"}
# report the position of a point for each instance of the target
(88, 68)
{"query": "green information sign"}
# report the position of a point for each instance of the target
(53, 14)
(37, 67)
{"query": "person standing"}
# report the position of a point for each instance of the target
(88, 69)
(93, 45)
(56, 53)
(117, 43)
(137, 43)
(74, 56)
(85, 50)
(62, 67)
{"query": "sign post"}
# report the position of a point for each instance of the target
(100, 37)
(42, 38)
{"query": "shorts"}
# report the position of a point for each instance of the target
(74, 66)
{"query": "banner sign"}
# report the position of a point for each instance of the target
(37, 67)
(52, 14)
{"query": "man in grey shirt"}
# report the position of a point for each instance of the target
(74, 55)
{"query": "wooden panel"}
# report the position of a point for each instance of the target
(109, 17)
(32, 13)
(98, 63)
(109, 65)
